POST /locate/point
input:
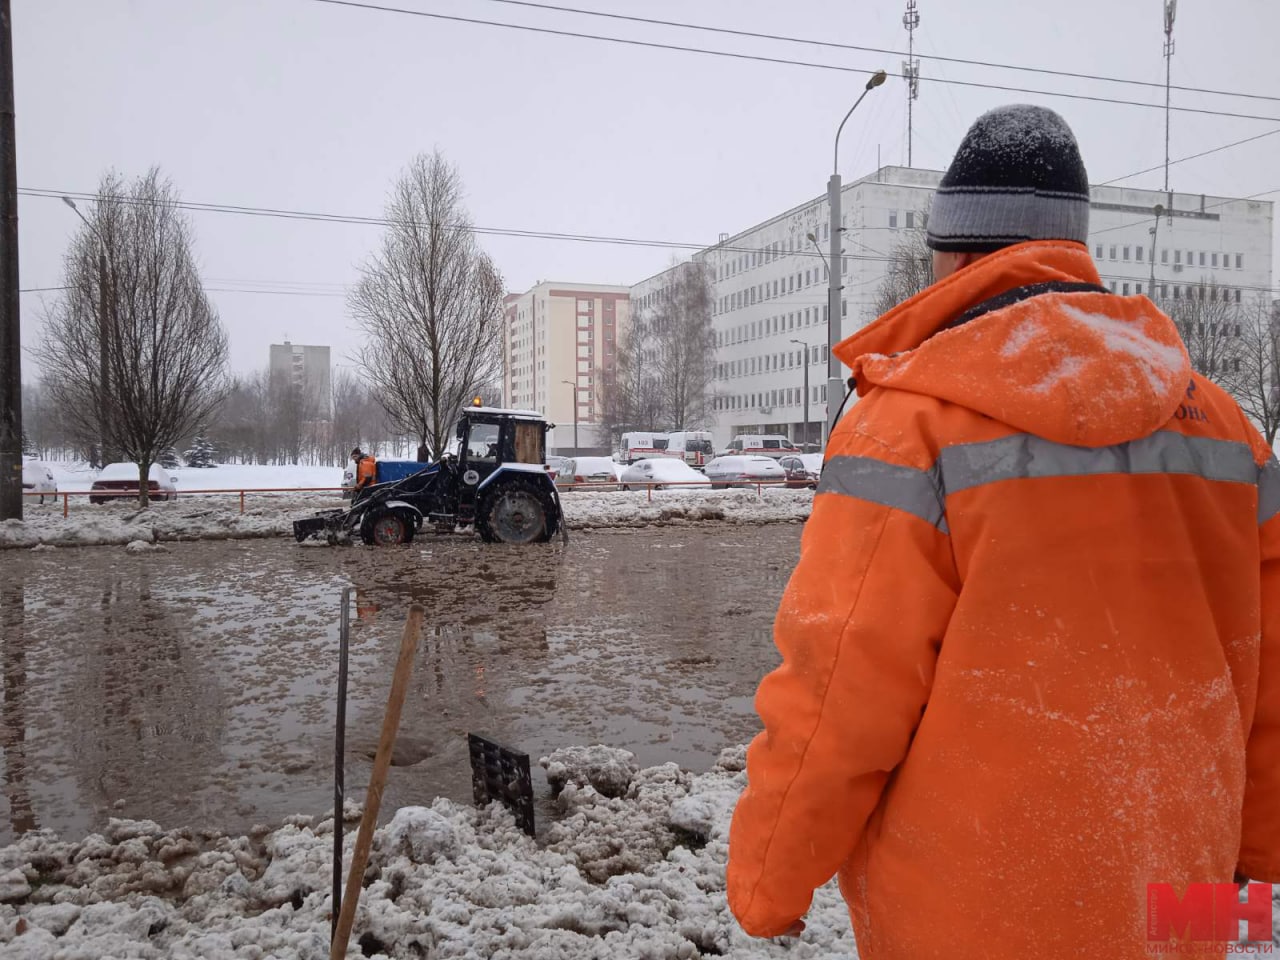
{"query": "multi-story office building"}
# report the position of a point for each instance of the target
(770, 280)
(558, 338)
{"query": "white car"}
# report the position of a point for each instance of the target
(119, 481)
(597, 471)
(38, 478)
(660, 472)
(743, 471)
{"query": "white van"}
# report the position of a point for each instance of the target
(763, 444)
(694, 446)
(638, 446)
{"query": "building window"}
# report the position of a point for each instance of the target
(1215, 260)
(1097, 252)
(1237, 301)
(1126, 290)
(893, 219)
(1113, 252)
(1164, 255)
(1239, 261)
(911, 219)
(1177, 256)
(844, 308)
(1126, 253)
(1202, 263)
(1138, 255)
(1164, 291)
(1137, 288)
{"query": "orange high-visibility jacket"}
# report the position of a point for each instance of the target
(1031, 652)
(366, 472)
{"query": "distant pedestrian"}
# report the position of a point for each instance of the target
(366, 472)
(1031, 651)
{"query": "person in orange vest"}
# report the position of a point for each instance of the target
(366, 472)
(1030, 665)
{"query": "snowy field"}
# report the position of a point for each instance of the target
(205, 517)
(633, 868)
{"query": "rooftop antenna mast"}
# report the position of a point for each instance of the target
(1170, 12)
(911, 66)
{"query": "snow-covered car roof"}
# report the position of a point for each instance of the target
(127, 471)
(526, 414)
(742, 460)
(601, 464)
(666, 468)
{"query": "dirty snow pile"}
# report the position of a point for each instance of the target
(201, 517)
(632, 867)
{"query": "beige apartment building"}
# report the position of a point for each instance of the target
(559, 344)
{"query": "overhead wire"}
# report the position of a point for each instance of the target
(990, 64)
(758, 58)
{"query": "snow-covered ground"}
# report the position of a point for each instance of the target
(204, 517)
(632, 867)
(78, 477)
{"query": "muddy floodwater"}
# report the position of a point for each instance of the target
(196, 687)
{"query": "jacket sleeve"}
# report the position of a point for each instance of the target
(858, 628)
(1260, 839)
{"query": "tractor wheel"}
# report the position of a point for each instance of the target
(517, 512)
(387, 529)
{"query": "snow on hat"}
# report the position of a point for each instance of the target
(1016, 176)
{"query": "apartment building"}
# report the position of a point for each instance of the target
(770, 280)
(558, 338)
(307, 368)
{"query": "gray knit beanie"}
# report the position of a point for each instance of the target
(1017, 176)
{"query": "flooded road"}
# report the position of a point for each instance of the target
(195, 687)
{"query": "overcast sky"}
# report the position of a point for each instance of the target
(302, 105)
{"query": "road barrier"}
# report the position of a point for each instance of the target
(605, 487)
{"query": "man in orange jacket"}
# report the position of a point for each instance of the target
(1031, 652)
(366, 472)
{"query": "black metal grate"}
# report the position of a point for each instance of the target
(498, 773)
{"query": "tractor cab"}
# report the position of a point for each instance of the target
(489, 438)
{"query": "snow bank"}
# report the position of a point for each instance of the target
(272, 515)
(635, 876)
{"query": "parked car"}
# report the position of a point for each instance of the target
(769, 445)
(38, 478)
(693, 446)
(802, 470)
(597, 471)
(660, 472)
(348, 480)
(555, 465)
(121, 479)
(742, 471)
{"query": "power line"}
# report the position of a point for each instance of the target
(728, 31)
(1194, 156)
(650, 44)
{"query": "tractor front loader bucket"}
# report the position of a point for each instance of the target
(326, 525)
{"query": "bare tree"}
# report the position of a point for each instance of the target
(681, 346)
(910, 267)
(631, 394)
(431, 304)
(1210, 324)
(1257, 386)
(166, 349)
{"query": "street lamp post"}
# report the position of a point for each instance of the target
(805, 443)
(1155, 234)
(835, 383)
(104, 330)
(575, 414)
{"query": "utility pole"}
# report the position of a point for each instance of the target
(911, 67)
(1170, 12)
(835, 383)
(10, 320)
(804, 444)
(575, 414)
(1155, 237)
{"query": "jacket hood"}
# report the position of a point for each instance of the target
(1028, 336)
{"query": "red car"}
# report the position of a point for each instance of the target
(803, 470)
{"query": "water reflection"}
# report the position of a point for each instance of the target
(13, 713)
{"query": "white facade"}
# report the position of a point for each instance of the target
(770, 281)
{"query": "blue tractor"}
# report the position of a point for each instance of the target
(493, 478)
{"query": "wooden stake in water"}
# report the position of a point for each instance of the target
(339, 756)
(381, 764)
